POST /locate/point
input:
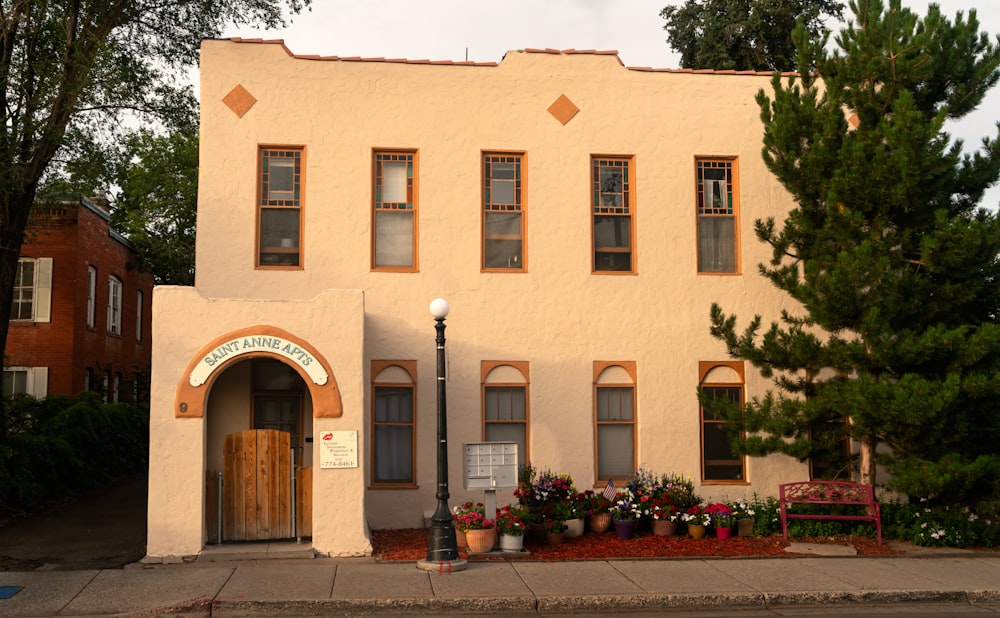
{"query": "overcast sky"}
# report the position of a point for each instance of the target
(484, 31)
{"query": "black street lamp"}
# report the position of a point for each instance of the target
(442, 547)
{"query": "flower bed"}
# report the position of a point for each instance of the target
(411, 544)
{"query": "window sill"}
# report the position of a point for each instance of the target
(380, 486)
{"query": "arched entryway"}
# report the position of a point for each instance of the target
(259, 390)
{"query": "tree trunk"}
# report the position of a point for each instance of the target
(868, 460)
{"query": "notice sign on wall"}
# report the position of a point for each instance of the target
(338, 449)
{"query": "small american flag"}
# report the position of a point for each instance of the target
(609, 491)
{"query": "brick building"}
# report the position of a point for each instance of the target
(80, 318)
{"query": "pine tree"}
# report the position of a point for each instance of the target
(892, 265)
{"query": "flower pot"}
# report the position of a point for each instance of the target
(746, 526)
(625, 528)
(599, 522)
(664, 527)
(460, 540)
(536, 534)
(574, 528)
(509, 542)
(696, 531)
(480, 541)
(555, 538)
(723, 533)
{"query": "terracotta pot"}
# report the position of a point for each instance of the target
(509, 542)
(723, 533)
(664, 527)
(574, 528)
(696, 531)
(625, 528)
(599, 522)
(536, 534)
(480, 541)
(460, 541)
(555, 538)
(746, 526)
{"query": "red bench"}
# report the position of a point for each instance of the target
(829, 492)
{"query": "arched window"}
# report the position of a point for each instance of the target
(614, 419)
(394, 386)
(505, 404)
(722, 379)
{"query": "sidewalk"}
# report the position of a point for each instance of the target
(286, 581)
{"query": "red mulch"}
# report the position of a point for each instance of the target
(411, 544)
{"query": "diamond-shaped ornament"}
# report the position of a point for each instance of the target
(563, 109)
(239, 100)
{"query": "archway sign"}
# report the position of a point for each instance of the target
(257, 341)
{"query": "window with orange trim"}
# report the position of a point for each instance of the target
(718, 210)
(613, 202)
(279, 208)
(503, 212)
(505, 404)
(394, 211)
(720, 380)
(394, 390)
(614, 420)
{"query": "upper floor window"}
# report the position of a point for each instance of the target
(612, 199)
(718, 207)
(91, 296)
(32, 290)
(394, 423)
(614, 418)
(114, 306)
(505, 404)
(394, 211)
(720, 380)
(503, 212)
(279, 216)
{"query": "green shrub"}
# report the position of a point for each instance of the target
(939, 526)
(62, 445)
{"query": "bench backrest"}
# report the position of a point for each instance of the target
(830, 492)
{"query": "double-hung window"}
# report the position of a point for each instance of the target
(91, 296)
(612, 199)
(717, 206)
(505, 404)
(614, 418)
(138, 315)
(25, 381)
(503, 212)
(114, 306)
(394, 211)
(720, 380)
(32, 290)
(394, 385)
(279, 208)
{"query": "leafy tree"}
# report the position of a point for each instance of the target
(893, 266)
(157, 207)
(70, 69)
(743, 35)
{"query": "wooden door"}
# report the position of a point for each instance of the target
(256, 486)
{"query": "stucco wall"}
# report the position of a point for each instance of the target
(557, 316)
(184, 322)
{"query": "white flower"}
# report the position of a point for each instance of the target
(923, 525)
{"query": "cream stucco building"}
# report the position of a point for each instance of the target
(579, 216)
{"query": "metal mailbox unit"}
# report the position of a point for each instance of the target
(490, 465)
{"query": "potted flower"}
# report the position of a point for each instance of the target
(663, 514)
(744, 513)
(625, 512)
(696, 521)
(722, 518)
(577, 511)
(512, 527)
(459, 511)
(597, 509)
(479, 531)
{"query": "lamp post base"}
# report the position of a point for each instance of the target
(443, 566)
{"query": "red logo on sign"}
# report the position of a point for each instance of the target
(328, 436)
